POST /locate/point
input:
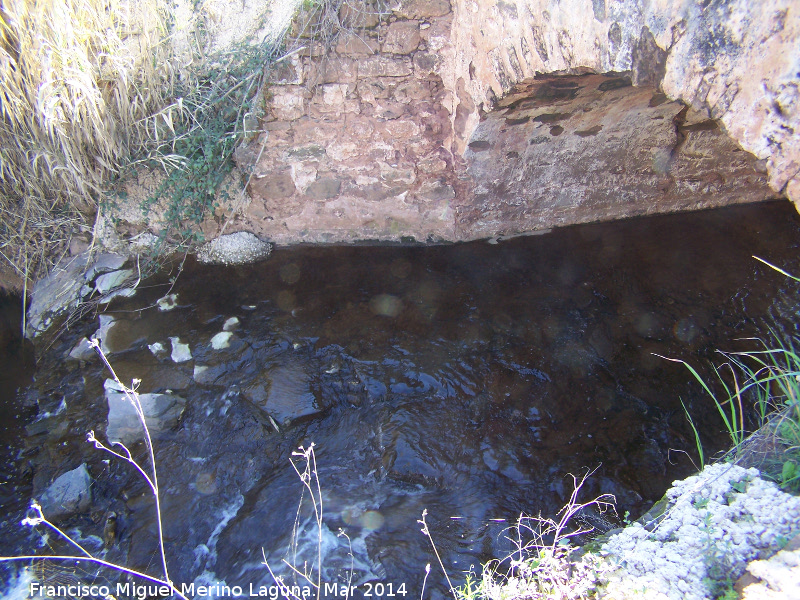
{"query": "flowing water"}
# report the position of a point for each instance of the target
(468, 379)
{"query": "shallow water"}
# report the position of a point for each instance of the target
(469, 380)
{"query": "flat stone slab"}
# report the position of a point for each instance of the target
(69, 283)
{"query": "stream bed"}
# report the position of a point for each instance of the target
(468, 380)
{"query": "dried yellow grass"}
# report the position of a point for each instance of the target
(84, 86)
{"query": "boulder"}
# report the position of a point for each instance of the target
(161, 412)
(70, 493)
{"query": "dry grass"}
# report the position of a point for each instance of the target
(84, 85)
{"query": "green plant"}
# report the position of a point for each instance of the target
(768, 380)
(732, 413)
(218, 98)
(697, 441)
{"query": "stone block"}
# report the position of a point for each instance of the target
(357, 45)
(401, 129)
(379, 66)
(276, 185)
(288, 102)
(359, 16)
(342, 151)
(426, 64)
(402, 37)
(432, 164)
(359, 127)
(412, 90)
(324, 188)
(397, 174)
(334, 70)
(422, 9)
(334, 94)
(389, 109)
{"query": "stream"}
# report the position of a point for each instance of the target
(468, 380)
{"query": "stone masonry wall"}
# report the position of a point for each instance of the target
(404, 127)
(357, 142)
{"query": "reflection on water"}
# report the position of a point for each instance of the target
(467, 380)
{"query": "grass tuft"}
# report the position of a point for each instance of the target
(766, 380)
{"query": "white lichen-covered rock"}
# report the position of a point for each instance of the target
(231, 324)
(717, 521)
(167, 303)
(234, 249)
(777, 577)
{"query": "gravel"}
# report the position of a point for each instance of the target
(234, 249)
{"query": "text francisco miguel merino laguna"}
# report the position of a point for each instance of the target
(145, 591)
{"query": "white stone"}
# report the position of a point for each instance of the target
(221, 340)
(180, 352)
(168, 302)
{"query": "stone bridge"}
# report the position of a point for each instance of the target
(455, 120)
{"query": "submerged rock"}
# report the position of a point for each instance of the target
(208, 374)
(161, 412)
(70, 493)
(284, 394)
